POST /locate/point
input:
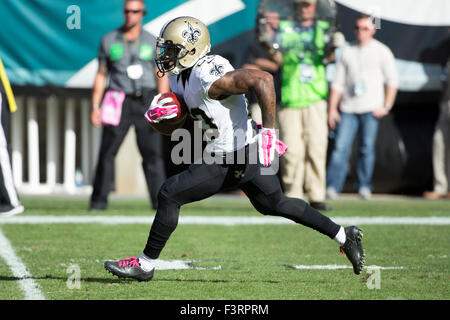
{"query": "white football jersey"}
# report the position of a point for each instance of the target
(224, 121)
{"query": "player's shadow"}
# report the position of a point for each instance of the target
(50, 277)
(215, 280)
(119, 280)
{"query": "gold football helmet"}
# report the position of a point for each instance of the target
(181, 43)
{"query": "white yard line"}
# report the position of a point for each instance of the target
(219, 220)
(338, 267)
(19, 270)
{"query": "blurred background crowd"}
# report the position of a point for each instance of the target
(362, 92)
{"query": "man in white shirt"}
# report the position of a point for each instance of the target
(365, 85)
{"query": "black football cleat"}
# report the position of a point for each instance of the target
(353, 248)
(129, 268)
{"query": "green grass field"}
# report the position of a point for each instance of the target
(249, 262)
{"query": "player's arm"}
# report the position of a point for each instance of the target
(162, 83)
(243, 81)
(97, 94)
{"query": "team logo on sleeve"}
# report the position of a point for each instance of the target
(191, 34)
(217, 70)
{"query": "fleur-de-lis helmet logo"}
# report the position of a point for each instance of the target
(192, 34)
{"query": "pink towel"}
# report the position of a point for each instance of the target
(112, 107)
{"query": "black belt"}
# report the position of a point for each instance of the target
(135, 95)
(139, 94)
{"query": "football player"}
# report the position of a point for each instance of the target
(214, 94)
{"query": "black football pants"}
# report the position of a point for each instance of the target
(149, 143)
(201, 181)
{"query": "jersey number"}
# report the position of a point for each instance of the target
(208, 123)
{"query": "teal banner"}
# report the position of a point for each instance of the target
(55, 42)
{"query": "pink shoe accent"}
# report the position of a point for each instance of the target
(129, 262)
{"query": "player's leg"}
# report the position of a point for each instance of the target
(292, 163)
(316, 141)
(338, 165)
(265, 194)
(194, 184)
(112, 138)
(368, 129)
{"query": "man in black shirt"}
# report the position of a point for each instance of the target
(126, 55)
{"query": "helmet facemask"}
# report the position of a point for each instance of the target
(168, 55)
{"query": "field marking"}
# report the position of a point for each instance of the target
(19, 270)
(338, 267)
(219, 220)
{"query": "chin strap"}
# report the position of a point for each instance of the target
(160, 74)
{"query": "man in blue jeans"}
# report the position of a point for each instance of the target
(365, 85)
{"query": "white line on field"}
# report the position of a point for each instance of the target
(220, 220)
(338, 267)
(19, 270)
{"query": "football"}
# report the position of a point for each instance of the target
(167, 126)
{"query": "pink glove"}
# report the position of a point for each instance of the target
(266, 144)
(280, 146)
(158, 109)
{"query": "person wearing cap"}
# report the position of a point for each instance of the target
(300, 49)
(126, 57)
